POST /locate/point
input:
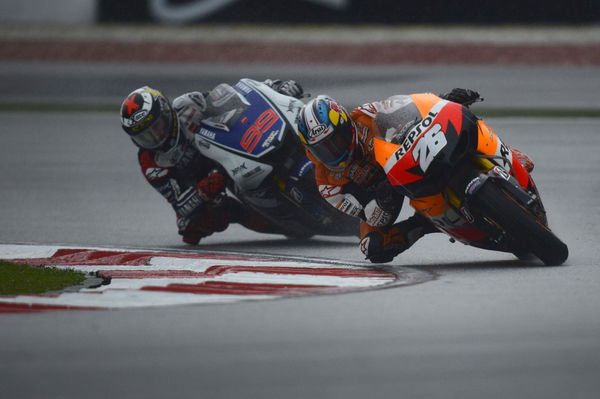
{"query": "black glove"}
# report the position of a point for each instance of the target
(388, 197)
(374, 249)
(464, 97)
(287, 87)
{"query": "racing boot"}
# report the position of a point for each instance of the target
(381, 245)
(523, 159)
(210, 220)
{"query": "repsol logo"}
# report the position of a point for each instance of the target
(414, 133)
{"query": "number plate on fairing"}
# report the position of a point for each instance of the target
(425, 153)
(255, 133)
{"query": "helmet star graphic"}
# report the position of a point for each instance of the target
(131, 104)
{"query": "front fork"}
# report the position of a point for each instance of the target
(489, 173)
(451, 210)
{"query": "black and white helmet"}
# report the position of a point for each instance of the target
(149, 119)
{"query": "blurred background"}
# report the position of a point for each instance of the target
(303, 11)
(87, 54)
(485, 327)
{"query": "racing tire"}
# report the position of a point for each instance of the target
(299, 236)
(531, 234)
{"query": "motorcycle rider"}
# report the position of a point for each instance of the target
(350, 179)
(189, 181)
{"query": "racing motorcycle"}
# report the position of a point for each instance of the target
(255, 143)
(459, 174)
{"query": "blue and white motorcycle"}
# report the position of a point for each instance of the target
(253, 139)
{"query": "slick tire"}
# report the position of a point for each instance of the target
(501, 209)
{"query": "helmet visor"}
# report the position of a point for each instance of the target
(335, 148)
(156, 134)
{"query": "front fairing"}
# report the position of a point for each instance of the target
(423, 162)
(434, 156)
(258, 123)
(250, 139)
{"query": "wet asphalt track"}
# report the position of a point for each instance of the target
(485, 326)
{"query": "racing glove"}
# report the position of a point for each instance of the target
(383, 206)
(209, 220)
(388, 198)
(464, 97)
(287, 87)
(211, 186)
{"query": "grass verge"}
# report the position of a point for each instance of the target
(18, 279)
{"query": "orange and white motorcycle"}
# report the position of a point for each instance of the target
(458, 173)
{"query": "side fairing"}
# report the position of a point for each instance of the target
(247, 173)
(488, 143)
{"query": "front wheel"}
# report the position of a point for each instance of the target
(499, 208)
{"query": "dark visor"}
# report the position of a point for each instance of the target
(153, 136)
(335, 148)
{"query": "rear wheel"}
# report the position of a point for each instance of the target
(528, 232)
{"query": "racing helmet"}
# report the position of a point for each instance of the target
(148, 118)
(327, 131)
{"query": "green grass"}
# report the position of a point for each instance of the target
(23, 279)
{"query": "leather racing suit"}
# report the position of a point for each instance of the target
(362, 190)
